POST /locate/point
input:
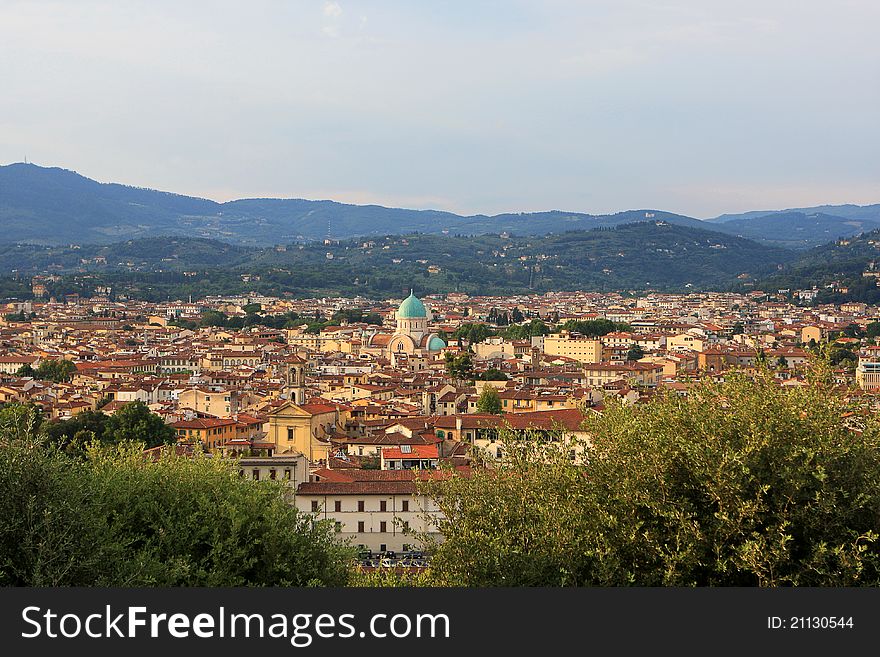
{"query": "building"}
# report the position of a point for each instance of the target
(305, 428)
(218, 401)
(210, 432)
(574, 346)
(868, 373)
(412, 337)
(370, 508)
(638, 373)
(292, 469)
(409, 457)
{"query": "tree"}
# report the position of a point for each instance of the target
(26, 371)
(59, 370)
(252, 308)
(635, 352)
(213, 318)
(67, 434)
(493, 374)
(135, 422)
(740, 483)
(459, 366)
(852, 331)
(873, 330)
(594, 328)
(473, 333)
(489, 401)
(842, 357)
(738, 329)
(524, 331)
(782, 362)
(118, 519)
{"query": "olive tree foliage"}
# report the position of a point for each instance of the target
(116, 518)
(742, 483)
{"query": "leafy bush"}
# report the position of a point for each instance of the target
(119, 519)
(738, 484)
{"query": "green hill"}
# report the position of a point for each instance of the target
(833, 266)
(636, 256)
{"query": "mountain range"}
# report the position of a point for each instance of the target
(53, 206)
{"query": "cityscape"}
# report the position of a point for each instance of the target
(445, 326)
(350, 408)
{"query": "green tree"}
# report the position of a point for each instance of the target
(740, 483)
(873, 330)
(473, 333)
(118, 519)
(493, 374)
(136, 423)
(26, 371)
(523, 331)
(842, 357)
(213, 318)
(59, 370)
(63, 433)
(594, 328)
(635, 352)
(489, 401)
(20, 421)
(459, 366)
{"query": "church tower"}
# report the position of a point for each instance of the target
(294, 370)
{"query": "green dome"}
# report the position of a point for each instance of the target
(436, 344)
(411, 307)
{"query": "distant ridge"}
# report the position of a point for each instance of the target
(54, 206)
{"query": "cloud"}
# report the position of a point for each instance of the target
(332, 10)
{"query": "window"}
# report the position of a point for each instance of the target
(360, 526)
(314, 506)
(287, 473)
(383, 547)
(290, 433)
(337, 506)
(360, 505)
(405, 505)
(256, 475)
(272, 473)
(383, 526)
(383, 506)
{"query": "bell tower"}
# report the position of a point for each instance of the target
(294, 379)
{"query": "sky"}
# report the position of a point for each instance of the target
(697, 106)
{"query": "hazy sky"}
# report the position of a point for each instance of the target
(696, 106)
